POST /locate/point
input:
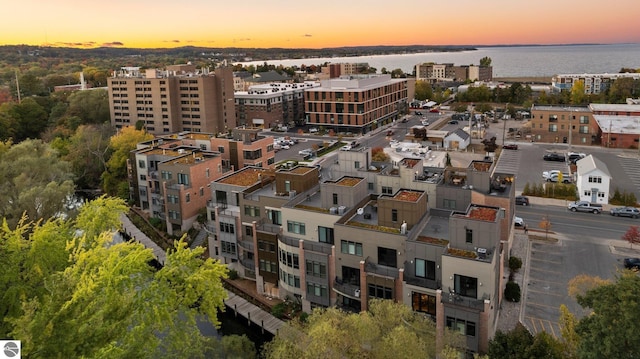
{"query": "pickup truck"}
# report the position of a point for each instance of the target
(584, 206)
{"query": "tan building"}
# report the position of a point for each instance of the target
(432, 72)
(245, 148)
(563, 124)
(356, 104)
(179, 98)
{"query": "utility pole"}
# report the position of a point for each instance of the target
(504, 122)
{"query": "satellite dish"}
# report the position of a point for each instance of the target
(360, 211)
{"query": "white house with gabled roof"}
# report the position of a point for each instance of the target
(593, 180)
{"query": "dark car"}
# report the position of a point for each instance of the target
(625, 212)
(404, 120)
(553, 157)
(632, 263)
(522, 200)
(390, 133)
(418, 113)
(453, 122)
(510, 146)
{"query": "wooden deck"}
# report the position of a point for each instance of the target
(253, 313)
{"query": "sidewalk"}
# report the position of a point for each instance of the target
(511, 312)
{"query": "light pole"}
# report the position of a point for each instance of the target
(504, 122)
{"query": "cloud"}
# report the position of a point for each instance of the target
(174, 41)
(242, 39)
(307, 35)
(112, 44)
(74, 44)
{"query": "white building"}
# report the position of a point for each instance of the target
(457, 140)
(593, 180)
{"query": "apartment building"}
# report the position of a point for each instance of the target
(593, 83)
(356, 104)
(272, 105)
(448, 72)
(245, 147)
(178, 98)
(331, 71)
(564, 124)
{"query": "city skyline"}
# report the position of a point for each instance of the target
(255, 24)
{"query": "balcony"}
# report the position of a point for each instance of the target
(214, 204)
(247, 263)
(246, 243)
(380, 270)
(423, 282)
(349, 290)
(210, 229)
(459, 300)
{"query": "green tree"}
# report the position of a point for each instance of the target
(28, 117)
(570, 339)
(91, 106)
(387, 330)
(235, 346)
(114, 179)
(520, 344)
(423, 90)
(35, 181)
(94, 298)
(483, 107)
(610, 329)
(623, 88)
(88, 152)
(485, 61)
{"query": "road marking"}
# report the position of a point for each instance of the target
(542, 305)
(546, 271)
(545, 293)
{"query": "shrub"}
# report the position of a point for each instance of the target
(515, 264)
(233, 274)
(279, 309)
(512, 292)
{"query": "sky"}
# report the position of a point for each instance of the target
(329, 23)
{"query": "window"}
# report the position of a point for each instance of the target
(466, 286)
(377, 291)
(348, 247)
(553, 128)
(325, 235)
(583, 129)
(166, 175)
(469, 235)
(595, 179)
(171, 198)
(317, 290)
(266, 246)
(356, 164)
(464, 327)
(584, 119)
(274, 216)
(394, 215)
(289, 259)
(183, 178)
(296, 227)
(423, 303)
(268, 266)
(449, 203)
(387, 190)
(387, 257)
(248, 231)
(228, 247)
(601, 195)
(221, 149)
(370, 186)
(316, 269)
(227, 227)
(252, 211)
(290, 279)
(187, 197)
(335, 198)
(141, 163)
(425, 269)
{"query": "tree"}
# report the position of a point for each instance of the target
(423, 90)
(545, 224)
(520, 344)
(78, 294)
(582, 283)
(632, 235)
(114, 179)
(91, 106)
(29, 118)
(34, 181)
(578, 96)
(610, 330)
(378, 155)
(88, 152)
(485, 61)
(387, 330)
(570, 339)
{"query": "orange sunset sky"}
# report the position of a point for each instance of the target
(329, 23)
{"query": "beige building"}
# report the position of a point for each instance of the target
(178, 98)
(432, 72)
(356, 104)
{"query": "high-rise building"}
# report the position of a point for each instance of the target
(179, 98)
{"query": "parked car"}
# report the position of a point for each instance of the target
(390, 133)
(510, 146)
(425, 123)
(522, 200)
(625, 212)
(305, 152)
(553, 156)
(518, 221)
(345, 148)
(419, 113)
(632, 263)
(584, 206)
(574, 157)
(434, 110)
(453, 122)
(556, 176)
(313, 130)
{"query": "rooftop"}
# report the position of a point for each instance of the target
(408, 195)
(245, 177)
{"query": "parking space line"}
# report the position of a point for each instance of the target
(545, 261)
(546, 271)
(546, 293)
(542, 305)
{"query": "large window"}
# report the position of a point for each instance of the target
(387, 190)
(296, 227)
(252, 211)
(348, 247)
(387, 257)
(449, 203)
(289, 259)
(275, 216)
(425, 269)
(291, 279)
(268, 266)
(266, 246)
(469, 235)
(227, 227)
(464, 327)
(595, 179)
(316, 269)
(377, 291)
(228, 247)
(466, 286)
(317, 290)
(183, 178)
(553, 128)
(325, 235)
(423, 303)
